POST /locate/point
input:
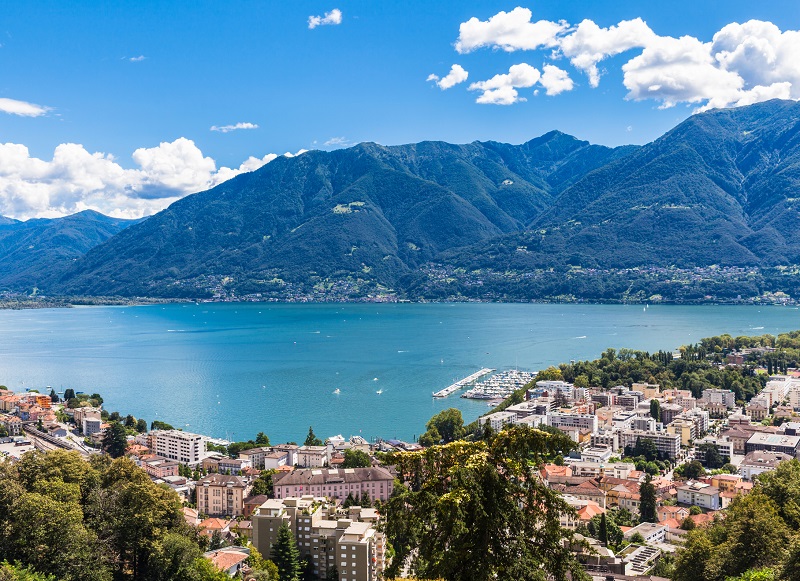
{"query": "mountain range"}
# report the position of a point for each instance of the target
(721, 189)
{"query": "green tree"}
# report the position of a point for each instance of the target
(655, 409)
(476, 511)
(449, 424)
(692, 470)
(713, 459)
(311, 438)
(688, 524)
(647, 503)
(263, 484)
(69, 394)
(115, 440)
(159, 425)
(262, 439)
(286, 555)
(141, 426)
(10, 572)
(130, 421)
(782, 486)
(356, 459)
(603, 534)
(53, 396)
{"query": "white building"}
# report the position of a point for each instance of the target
(183, 447)
(723, 396)
(498, 420)
(699, 494)
(580, 421)
(668, 445)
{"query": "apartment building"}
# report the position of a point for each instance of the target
(221, 495)
(668, 445)
(183, 447)
(12, 424)
(724, 396)
(685, 428)
(699, 494)
(337, 483)
(580, 421)
(327, 537)
(773, 443)
(499, 420)
(312, 456)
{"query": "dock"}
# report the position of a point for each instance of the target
(462, 383)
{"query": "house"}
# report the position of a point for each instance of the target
(230, 559)
(214, 525)
(253, 502)
(699, 494)
(758, 462)
(159, 467)
(12, 424)
(312, 456)
(677, 513)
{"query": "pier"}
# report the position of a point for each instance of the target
(462, 383)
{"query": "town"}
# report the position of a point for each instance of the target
(647, 463)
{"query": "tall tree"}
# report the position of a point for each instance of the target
(115, 440)
(647, 500)
(448, 424)
(262, 439)
(603, 529)
(655, 409)
(286, 555)
(311, 438)
(69, 394)
(474, 511)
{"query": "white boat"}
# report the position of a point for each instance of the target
(337, 391)
(380, 391)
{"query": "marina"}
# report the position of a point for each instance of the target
(461, 384)
(500, 386)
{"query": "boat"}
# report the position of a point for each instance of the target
(380, 391)
(337, 391)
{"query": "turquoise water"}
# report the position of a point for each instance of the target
(231, 370)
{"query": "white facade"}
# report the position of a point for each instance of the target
(699, 494)
(580, 421)
(723, 396)
(183, 447)
(498, 420)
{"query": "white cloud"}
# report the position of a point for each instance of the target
(337, 142)
(508, 31)
(22, 108)
(333, 17)
(229, 128)
(588, 44)
(137, 59)
(742, 64)
(502, 89)
(456, 75)
(76, 179)
(555, 80)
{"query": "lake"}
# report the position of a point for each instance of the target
(231, 370)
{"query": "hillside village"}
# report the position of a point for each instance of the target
(650, 463)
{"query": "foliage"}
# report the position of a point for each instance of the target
(713, 459)
(647, 505)
(476, 511)
(690, 470)
(159, 425)
(263, 484)
(655, 409)
(311, 438)
(286, 555)
(115, 440)
(356, 459)
(752, 535)
(446, 426)
(782, 486)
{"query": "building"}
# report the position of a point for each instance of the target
(596, 454)
(158, 467)
(699, 494)
(651, 532)
(186, 448)
(580, 421)
(724, 447)
(255, 456)
(12, 424)
(339, 483)
(668, 445)
(221, 495)
(723, 396)
(686, 429)
(605, 439)
(499, 420)
(773, 443)
(327, 537)
(312, 456)
(92, 426)
(758, 462)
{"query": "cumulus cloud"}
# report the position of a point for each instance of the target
(456, 75)
(137, 59)
(22, 108)
(333, 17)
(508, 31)
(229, 128)
(742, 64)
(588, 44)
(502, 89)
(555, 80)
(76, 179)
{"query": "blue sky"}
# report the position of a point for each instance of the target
(155, 77)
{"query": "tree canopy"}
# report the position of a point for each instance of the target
(476, 511)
